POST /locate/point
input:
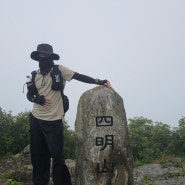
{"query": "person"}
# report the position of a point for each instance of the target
(46, 129)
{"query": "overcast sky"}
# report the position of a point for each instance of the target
(138, 45)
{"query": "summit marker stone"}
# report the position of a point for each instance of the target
(103, 153)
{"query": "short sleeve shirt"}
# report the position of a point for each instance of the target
(55, 111)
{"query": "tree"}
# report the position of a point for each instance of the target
(161, 137)
(14, 134)
(19, 131)
(69, 142)
(5, 139)
(139, 131)
(148, 140)
(178, 138)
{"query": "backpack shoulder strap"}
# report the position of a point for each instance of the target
(55, 67)
(57, 79)
(64, 97)
(62, 90)
(33, 73)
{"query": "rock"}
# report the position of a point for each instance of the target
(18, 168)
(102, 149)
(156, 174)
(153, 174)
(5, 181)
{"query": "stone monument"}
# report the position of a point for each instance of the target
(103, 153)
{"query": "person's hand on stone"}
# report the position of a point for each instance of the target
(105, 83)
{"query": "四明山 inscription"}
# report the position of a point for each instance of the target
(103, 154)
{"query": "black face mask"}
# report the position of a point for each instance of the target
(45, 64)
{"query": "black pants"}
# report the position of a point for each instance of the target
(46, 141)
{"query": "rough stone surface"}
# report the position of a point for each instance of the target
(101, 118)
(170, 173)
(18, 168)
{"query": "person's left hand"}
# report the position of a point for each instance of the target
(47, 102)
(104, 82)
(107, 84)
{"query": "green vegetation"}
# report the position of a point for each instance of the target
(155, 140)
(14, 132)
(150, 141)
(13, 183)
(147, 181)
(14, 135)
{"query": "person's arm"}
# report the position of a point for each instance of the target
(88, 79)
(36, 99)
(33, 96)
(30, 97)
(41, 100)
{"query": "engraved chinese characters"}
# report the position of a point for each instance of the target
(102, 121)
(103, 155)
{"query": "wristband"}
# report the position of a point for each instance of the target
(97, 81)
(101, 82)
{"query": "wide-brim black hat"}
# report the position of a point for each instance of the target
(45, 49)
